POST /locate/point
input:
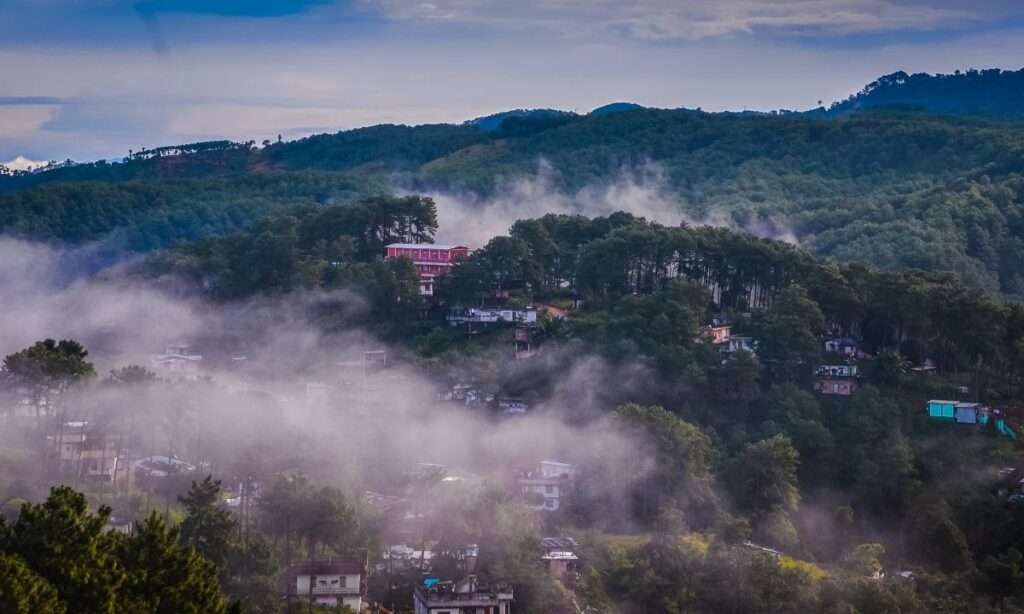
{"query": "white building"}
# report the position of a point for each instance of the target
(335, 583)
(739, 344)
(492, 316)
(467, 596)
(546, 485)
(87, 452)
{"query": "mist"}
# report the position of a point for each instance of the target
(644, 191)
(273, 393)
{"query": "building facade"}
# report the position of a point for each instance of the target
(432, 261)
(546, 486)
(467, 596)
(334, 583)
(88, 452)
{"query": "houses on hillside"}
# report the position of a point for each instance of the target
(458, 316)
(960, 412)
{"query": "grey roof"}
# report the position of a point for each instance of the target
(559, 543)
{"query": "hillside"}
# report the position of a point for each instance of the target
(899, 189)
(987, 93)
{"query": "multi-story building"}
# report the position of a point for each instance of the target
(839, 380)
(334, 583)
(87, 452)
(467, 596)
(545, 486)
(432, 261)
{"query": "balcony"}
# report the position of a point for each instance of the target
(334, 590)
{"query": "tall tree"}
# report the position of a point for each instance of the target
(207, 526)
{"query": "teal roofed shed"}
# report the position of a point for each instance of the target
(942, 410)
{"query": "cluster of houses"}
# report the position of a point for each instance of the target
(433, 261)
(719, 334)
(469, 595)
(969, 413)
(448, 577)
(89, 453)
(841, 378)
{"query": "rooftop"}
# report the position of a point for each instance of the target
(340, 566)
(425, 246)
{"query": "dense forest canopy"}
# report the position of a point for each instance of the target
(900, 189)
(736, 468)
(987, 93)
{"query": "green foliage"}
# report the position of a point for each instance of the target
(207, 527)
(900, 190)
(865, 560)
(660, 326)
(22, 591)
(164, 577)
(49, 363)
(61, 558)
(764, 477)
(147, 215)
(296, 513)
(991, 93)
(682, 466)
(335, 247)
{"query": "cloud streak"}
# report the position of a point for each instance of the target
(687, 20)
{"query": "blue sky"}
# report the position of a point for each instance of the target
(90, 79)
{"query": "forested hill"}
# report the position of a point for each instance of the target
(988, 93)
(900, 189)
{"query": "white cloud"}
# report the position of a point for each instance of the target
(688, 20)
(21, 163)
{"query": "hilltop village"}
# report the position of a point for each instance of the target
(585, 415)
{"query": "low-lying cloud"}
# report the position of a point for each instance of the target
(284, 395)
(470, 219)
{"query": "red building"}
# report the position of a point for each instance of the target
(432, 261)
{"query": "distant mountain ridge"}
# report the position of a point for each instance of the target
(986, 93)
(881, 177)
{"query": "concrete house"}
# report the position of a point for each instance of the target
(718, 333)
(546, 486)
(560, 559)
(839, 380)
(87, 452)
(467, 596)
(843, 346)
(739, 344)
(333, 583)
